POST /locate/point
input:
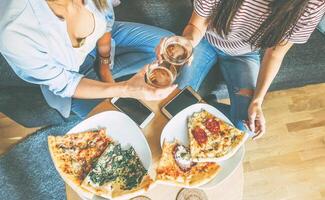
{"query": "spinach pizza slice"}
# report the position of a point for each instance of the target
(116, 173)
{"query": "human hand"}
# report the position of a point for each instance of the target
(136, 87)
(256, 120)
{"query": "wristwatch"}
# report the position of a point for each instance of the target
(104, 60)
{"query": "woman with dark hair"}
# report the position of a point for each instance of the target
(54, 43)
(232, 32)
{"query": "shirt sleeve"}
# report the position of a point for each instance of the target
(308, 22)
(205, 8)
(109, 16)
(33, 64)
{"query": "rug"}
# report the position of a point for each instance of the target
(27, 171)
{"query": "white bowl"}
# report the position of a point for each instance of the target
(177, 129)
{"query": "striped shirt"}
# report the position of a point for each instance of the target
(249, 18)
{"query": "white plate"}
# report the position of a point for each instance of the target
(177, 129)
(123, 130)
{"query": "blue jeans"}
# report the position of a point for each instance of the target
(135, 47)
(240, 74)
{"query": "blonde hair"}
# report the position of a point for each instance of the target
(101, 5)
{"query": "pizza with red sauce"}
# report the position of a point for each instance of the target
(74, 154)
(176, 167)
(212, 139)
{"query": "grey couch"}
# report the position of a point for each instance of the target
(23, 102)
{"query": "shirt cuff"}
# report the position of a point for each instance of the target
(72, 80)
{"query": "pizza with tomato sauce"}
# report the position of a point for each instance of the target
(74, 154)
(176, 167)
(212, 139)
(92, 163)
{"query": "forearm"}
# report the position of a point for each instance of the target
(105, 73)
(269, 68)
(104, 45)
(104, 51)
(193, 34)
(195, 29)
(92, 89)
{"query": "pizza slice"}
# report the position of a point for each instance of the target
(175, 167)
(73, 154)
(212, 139)
(117, 173)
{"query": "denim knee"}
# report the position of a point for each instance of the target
(82, 107)
(241, 100)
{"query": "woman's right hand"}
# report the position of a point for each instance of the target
(137, 88)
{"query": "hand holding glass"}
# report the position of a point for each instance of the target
(176, 51)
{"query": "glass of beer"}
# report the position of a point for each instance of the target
(177, 50)
(161, 74)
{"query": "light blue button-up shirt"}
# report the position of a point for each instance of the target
(37, 46)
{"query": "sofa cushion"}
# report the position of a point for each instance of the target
(27, 106)
(321, 25)
(303, 64)
(168, 14)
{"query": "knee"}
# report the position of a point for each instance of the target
(240, 103)
(165, 33)
(245, 92)
(157, 31)
(204, 54)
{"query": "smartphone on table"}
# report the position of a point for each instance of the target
(135, 109)
(184, 99)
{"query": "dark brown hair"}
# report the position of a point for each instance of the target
(282, 17)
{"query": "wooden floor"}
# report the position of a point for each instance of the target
(288, 163)
(11, 133)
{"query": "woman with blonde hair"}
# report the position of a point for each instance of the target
(54, 43)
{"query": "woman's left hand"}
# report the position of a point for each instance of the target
(256, 120)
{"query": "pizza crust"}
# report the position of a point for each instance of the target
(114, 192)
(103, 191)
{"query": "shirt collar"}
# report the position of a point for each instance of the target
(45, 14)
(42, 11)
